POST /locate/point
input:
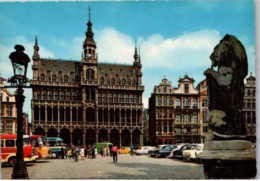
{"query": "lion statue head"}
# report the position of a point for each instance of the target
(230, 53)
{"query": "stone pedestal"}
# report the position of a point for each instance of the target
(229, 159)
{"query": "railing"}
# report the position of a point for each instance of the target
(89, 82)
(128, 87)
(50, 83)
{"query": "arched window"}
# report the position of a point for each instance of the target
(89, 74)
(44, 95)
(50, 96)
(62, 96)
(205, 103)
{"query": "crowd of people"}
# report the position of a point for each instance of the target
(90, 151)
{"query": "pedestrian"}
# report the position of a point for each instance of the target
(85, 152)
(114, 152)
(101, 151)
(76, 154)
(93, 152)
(72, 151)
(132, 150)
(62, 152)
(105, 151)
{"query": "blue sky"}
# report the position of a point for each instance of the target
(176, 37)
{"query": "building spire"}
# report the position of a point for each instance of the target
(135, 55)
(89, 33)
(36, 48)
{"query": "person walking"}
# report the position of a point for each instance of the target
(93, 152)
(102, 151)
(85, 152)
(62, 152)
(76, 154)
(72, 151)
(114, 152)
(131, 150)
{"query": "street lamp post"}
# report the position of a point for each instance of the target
(20, 63)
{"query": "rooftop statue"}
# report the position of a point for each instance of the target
(226, 89)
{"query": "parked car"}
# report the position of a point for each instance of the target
(158, 147)
(165, 151)
(193, 152)
(178, 153)
(178, 146)
(144, 150)
(124, 150)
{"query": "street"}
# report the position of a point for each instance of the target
(128, 167)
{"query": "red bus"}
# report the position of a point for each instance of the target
(8, 149)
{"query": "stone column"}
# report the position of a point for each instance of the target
(96, 136)
(108, 135)
(84, 137)
(70, 114)
(71, 135)
(108, 114)
(45, 106)
(52, 114)
(131, 138)
(103, 117)
(58, 114)
(120, 139)
(120, 120)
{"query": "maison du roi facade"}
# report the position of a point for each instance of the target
(179, 115)
(87, 101)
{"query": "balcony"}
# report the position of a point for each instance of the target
(50, 83)
(89, 82)
(121, 87)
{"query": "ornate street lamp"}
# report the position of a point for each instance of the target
(20, 63)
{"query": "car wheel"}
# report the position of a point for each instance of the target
(12, 161)
(166, 156)
(156, 155)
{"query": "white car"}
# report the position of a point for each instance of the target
(144, 150)
(193, 152)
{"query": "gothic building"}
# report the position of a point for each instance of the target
(86, 101)
(174, 113)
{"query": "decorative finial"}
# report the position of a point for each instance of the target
(250, 73)
(89, 13)
(36, 40)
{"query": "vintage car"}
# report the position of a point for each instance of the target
(144, 150)
(124, 150)
(192, 153)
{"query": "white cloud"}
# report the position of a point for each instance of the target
(114, 46)
(191, 49)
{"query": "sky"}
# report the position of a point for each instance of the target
(175, 37)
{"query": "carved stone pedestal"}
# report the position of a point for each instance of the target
(229, 160)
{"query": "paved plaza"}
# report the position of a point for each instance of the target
(128, 167)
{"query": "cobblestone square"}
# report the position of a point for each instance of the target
(128, 167)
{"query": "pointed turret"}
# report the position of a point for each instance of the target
(89, 44)
(36, 49)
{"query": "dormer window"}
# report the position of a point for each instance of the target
(66, 78)
(54, 78)
(113, 81)
(42, 77)
(102, 80)
(123, 81)
(90, 74)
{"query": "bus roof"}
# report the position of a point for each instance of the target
(35, 136)
(12, 136)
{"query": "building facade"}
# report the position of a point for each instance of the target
(249, 108)
(174, 113)
(203, 106)
(86, 101)
(8, 109)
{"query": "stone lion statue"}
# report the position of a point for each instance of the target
(226, 88)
